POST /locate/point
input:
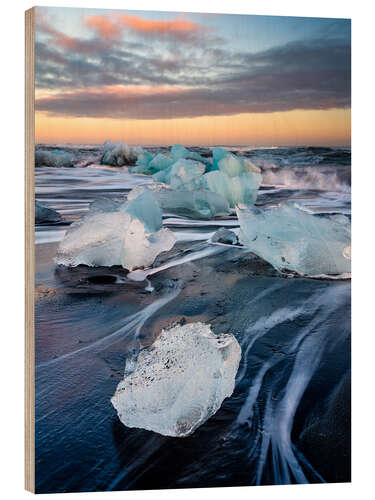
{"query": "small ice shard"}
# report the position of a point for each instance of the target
(186, 175)
(118, 155)
(143, 157)
(290, 238)
(217, 155)
(194, 204)
(179, 382)
(45, 214)
(239, 189)
(149, 164)
(226, 236)
(179, 152)
(160, 162)
(163, 176)
(130, 235)
(139, 169)
(231, 165)
(53, 158)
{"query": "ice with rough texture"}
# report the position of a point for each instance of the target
(53, 158)
(146, 208)
(239, 189)
(94, 240)
(129, 235)
(119, 154)
(224, 235)
(179, 152)
(143, 157)
(140, 250)
(151, 165)
(186, 175)
(231, 165)
(195, 204)
(160, 162)
(45, 214)
(290, 238)
(180, 381)
(217, 155)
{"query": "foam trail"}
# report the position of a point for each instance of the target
(133, 324)
(273, 426)
(142, 274)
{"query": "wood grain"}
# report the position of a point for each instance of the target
(29, 253)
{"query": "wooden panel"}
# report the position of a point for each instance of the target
(29, 253)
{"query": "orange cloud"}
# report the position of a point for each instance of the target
(104, 26)
(179, 27)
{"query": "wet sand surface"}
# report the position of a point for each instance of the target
(295, 340)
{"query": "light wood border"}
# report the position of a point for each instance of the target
(29, 253)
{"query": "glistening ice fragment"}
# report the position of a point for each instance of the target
(290, 238)
(130, 236)
(180, 381)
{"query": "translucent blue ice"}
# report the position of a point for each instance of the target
(290, 238)
(240, 189)
(128, 234)
(231, 165)
(195, 204)
(143, 157)
(160, 162)
(179, 152)
(146, 208)
(186, 175)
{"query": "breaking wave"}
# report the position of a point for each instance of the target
(307, 178)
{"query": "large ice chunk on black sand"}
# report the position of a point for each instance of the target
(180, 381)
(45, 214)
(128, 234)
(290, 238)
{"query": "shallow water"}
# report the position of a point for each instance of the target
(288, 420)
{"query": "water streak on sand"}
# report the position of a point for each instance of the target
(142, 274)
(312, 342)
(132, 325)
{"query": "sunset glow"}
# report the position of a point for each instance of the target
(162, 78)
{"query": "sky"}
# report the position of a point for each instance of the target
(158, 78)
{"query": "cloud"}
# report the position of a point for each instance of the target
(179, 28)
(312, 74)
(105, 26)
(68, 43)
(96, 75)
